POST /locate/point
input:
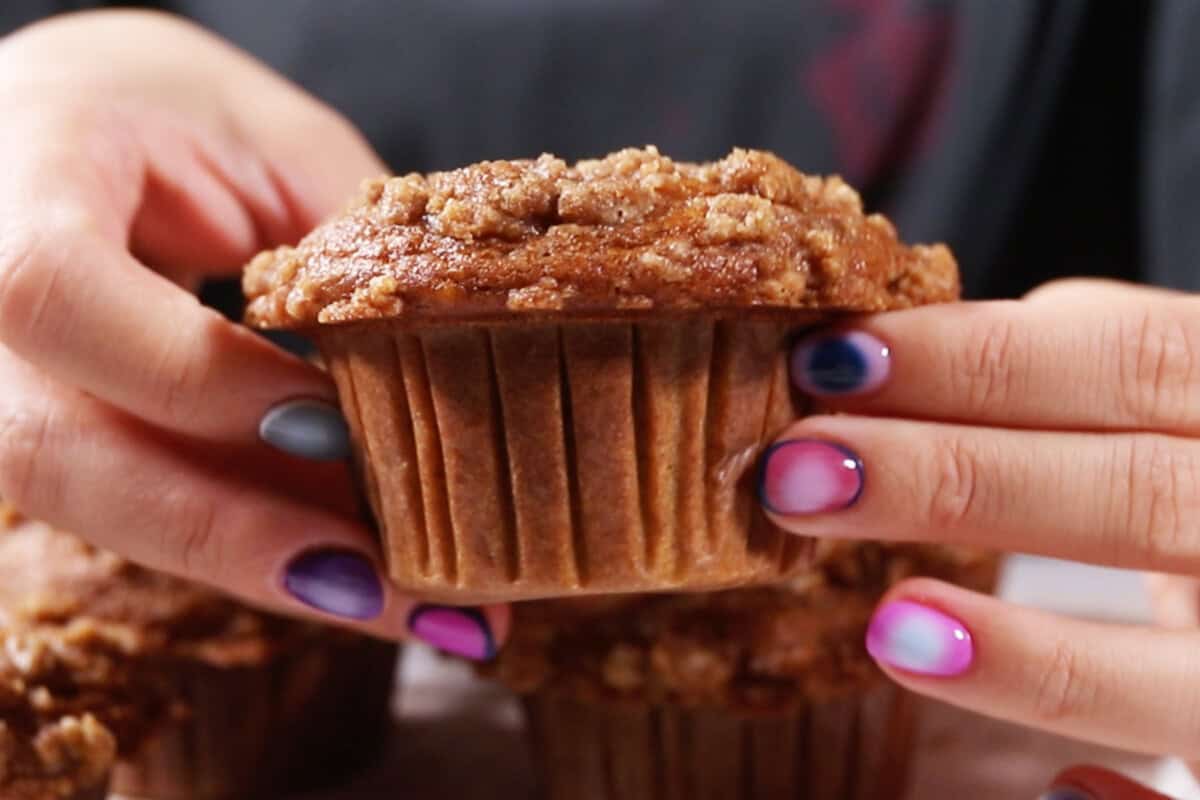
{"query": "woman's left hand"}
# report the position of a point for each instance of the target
(1066, 424)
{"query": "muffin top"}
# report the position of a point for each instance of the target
(760, 650)
(59, 586)
(634, 232)
(60, 758)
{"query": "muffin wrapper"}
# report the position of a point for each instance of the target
(509, 461)
(301, 720)
(850, 748)
(95, 793)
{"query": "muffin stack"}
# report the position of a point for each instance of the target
(559, 380)
(177, 692)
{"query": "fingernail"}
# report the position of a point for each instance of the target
(461, 631)
(808, 476)
(307, 428)
(850, 362)
(338, 582)
(1065, 793)
(919, 639)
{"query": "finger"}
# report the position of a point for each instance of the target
(1096, 291)
(1175, 600)
(1120, 499)
(207, 515)
(1121, 686)
(92, 317)
(1129, 364)
(1096, 783)
(207, 202)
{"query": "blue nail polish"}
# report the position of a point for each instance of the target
(339, 582)
(844, 363)
(1064, 793)
(310, 429)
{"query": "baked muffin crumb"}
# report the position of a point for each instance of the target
(630, 233)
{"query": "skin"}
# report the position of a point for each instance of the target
(1062, 424)
(142, 155)
(145, 155)
(1102, 784)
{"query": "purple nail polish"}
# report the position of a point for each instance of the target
(339, 582)
(919, 639)
(849, 362)
(808, 476)
(461, 631)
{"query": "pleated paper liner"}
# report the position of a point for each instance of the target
(99, 792)
(303, 720)
(514, 460)
(856, 747)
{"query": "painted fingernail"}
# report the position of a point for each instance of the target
(850, 362)
(461, 631)
(808, 476)
(1065, 793)
(338, 582)
(307, 428)
(919, 639)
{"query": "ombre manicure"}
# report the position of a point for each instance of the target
(307, 428)
(919, 639)
(849, 362)
(461, 631)
(809, 476)
(1065, 793)
(339, 582)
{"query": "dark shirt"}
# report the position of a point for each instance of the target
(1039, 139)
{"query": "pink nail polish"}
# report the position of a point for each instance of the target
(461, 631)
(807, 476)
(919, 639)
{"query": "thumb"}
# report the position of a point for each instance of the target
(1096, 783)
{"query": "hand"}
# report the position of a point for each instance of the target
(144, 155)
(1065, 424)
(1094, 783)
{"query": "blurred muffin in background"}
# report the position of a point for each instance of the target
(206, 698)
(759, 693)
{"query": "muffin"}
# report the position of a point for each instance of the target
(558, 378)
(48, 752)
(206, 698)
(763, 692)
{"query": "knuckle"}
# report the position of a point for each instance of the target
(24, 436)
(1158, 482)
(183, 371)
(1157, 357)
(954, 485)
(983, 374)
(1062, 690)
(26, 281)
(191, 544)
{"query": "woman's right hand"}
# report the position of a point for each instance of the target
(142, 155)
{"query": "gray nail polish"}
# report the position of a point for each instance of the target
(307, 428)
(1064, 793)
(338, 582)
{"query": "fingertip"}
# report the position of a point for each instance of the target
(499, 616)
(310, 428)
(800, 477)
(839, 363)
(919, 638)
(463, 631)
(1089, 782)
(336, 581)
